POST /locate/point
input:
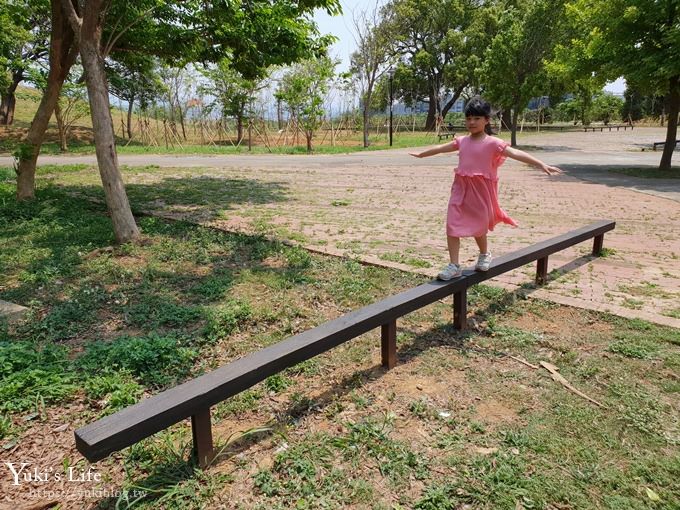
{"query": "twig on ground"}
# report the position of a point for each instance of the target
(558, 378)
(524, 362)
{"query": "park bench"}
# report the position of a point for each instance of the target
(662, 144)
(446, 135)
(608, 126)
(194, 398)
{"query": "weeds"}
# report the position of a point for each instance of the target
(154, 360)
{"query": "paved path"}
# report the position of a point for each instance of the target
(387, 207)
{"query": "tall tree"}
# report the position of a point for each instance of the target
(87, 27)
(514, 69)
(442, 42)
(371, 59)
(636, 39)
(254, 34)
(23, 42)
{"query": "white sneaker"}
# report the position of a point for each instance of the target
(450, 272)
(483, 262)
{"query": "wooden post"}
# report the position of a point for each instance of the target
(460, 309)
(542, 271)
(388, 344)
(202, 436)
(598, 241)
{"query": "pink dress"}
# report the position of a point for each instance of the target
(473, 206)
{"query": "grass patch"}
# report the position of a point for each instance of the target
(154, 360)
(405, 259)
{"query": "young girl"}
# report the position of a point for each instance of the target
(473, 206)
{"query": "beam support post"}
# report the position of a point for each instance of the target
(460, 310)
(598, 241)
(201, 431)
(542, 271)
(388, 344)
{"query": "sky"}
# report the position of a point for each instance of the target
(342, 26)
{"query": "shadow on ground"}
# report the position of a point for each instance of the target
(203, 195)
(608, 175)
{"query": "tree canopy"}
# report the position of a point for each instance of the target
(441, 43)
(636, 39)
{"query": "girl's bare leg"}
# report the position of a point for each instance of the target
(454, 248)
(482, 244)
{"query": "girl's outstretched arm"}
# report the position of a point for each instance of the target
(451, 146)
(530, 160)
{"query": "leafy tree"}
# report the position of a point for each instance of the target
(253, 34)
(233, 93)
(134, 78)
(606, 107)
(303, 89)
(514, 68)
(632, 108)
(23, 42)
(636, 39)
(442, 44)
(371, 59)
(72, 103)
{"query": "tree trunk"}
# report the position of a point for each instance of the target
(181, 122)
(131, 105)
(431, 122)
(452, 101)
(513, 127)
(279, 114)
(506, 117)
(308, 135)
(9, 100)
(63, 53)
(63, 146)
(124, 226)
(365, 112)
(672, 129)
(239, 128)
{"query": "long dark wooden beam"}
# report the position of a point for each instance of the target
(132, 424)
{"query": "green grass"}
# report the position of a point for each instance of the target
(405, 258)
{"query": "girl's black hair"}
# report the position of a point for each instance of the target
(477, 107)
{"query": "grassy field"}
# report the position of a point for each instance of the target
(459, 423)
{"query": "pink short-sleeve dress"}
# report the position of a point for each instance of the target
(473, 207)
